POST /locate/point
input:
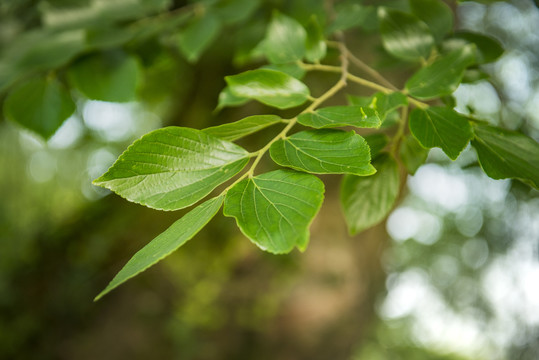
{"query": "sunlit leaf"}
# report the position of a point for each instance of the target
(41, 105)
(167, 242)
(111, 76)
(507, 154)
(173, 167)
(226, 98)
(404, 35)
(441, 127)
(285, 40)
(198, 35)
(351, 14)
(273, 88)
(443, 76)
(338, 116)
(292, 69)
(368, 200)
(243, 127)
(274, 210)
(324, 152)
(436, 14)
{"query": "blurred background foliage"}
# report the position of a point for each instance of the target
(452, 274)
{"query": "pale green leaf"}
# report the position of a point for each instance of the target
(173, 167)
(443, 76)
(507, 154)
(404, 35)
(285, 40)
(441, 127)
(436, 14)
(292, 69)
(167, 242)
(368, 200)
(243, 127)
(110, 76)
(349, 15)
(41, 105)
(198, 35)
(324, 152)
(412, 154)
(226, 98)
(273, 88)
(315, 46)
(338, 116)
(274, 210)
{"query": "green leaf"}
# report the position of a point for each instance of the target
(368, 200)
(243, 127)
(315, 45)
(198, 35)
(507, 154)
(338, 116)
(233, 11)
(324, 152)
(443, 76)
(404, 35)
(167, 242)
(488, 49)
(285, 40)
(441, 127)
(350, 15)
(412, 154)
(226, 98)
(436, 14)
(173, 167)
(292, 69)
(273, 88)
(40, 105)
(274, 210)
(382, 103)
(111, 76)
(377, 142)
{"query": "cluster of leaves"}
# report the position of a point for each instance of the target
(174, 167)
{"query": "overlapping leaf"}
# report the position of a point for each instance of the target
(198, 35)
(442, 76)
(172, 168)
(436, 14)
(315, 45)
(338, 116)
(274, 210)
(243, 127)
(285, 40)
(273, 88)
(167, 242)
(368, 200)
(324, 152)
(507, 154)
(412, 154)
(441, 127)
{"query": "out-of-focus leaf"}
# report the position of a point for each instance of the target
(167, 242)
(285, 40)
(404, 35)
(507, 154)
(243, 127)
(412, 154)
(227, 98)
(274, 210)
(40, 105)
(324, 152)
(443, 76)
(339, 116)
(315, 46)
(292, 69)
(349, 15)
(368, 200)
(487, 48)
(173, 167)
(436, 14)
(441, 127)
(111, 76)
(377, 142)
(198, 35)
(233, 11)
(273, 88)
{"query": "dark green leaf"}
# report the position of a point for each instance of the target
(507, 154)
(487, 49)
(436, 14)
(41, 105)
(441, 127)
(285, 40)
(443, 76)
(368, 200)
(412, 154)
(324, 152)
(172, 168)
(273, 88)
(377, 142)
(198, 35)
(315, 46)
(112, 76)
(350, 15)
(274, 210)
(233, 11)
(243, 127)
(167, 242)
(338, 116)
(404, 35)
